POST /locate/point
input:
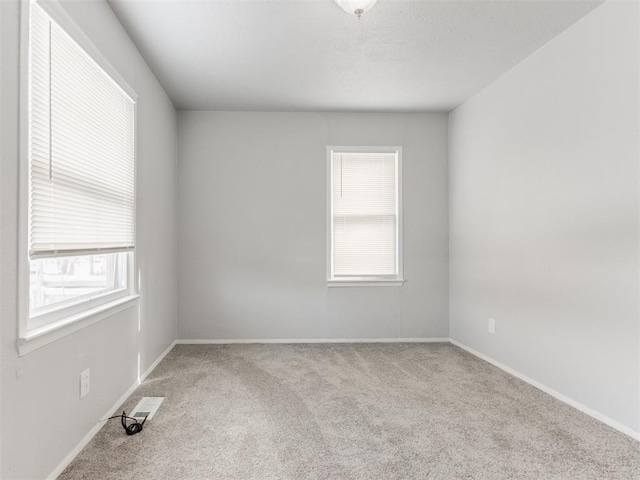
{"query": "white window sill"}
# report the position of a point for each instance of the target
(364, 282)
(47, 334)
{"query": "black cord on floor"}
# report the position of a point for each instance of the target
(132, 428)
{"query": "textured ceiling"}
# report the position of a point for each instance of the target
(297, 55)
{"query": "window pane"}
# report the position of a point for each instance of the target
(63, 280)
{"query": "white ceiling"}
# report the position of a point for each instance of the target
(309, 55)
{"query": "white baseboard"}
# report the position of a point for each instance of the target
(230, 341)
(87, 438)
(158, 360)
(563, 398)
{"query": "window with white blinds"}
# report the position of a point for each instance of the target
(81, 149)
(364, 224)
(78, 205)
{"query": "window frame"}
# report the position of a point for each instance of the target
(365, 280)
(72, 317)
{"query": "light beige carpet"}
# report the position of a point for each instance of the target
(351, 411)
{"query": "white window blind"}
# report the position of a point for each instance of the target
(81, 150)
(364, 214)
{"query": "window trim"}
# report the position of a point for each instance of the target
(74, 317)
(369, 280)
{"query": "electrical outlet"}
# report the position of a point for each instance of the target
(85, 383)
(492, 326)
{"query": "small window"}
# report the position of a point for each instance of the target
(81, 180)
(365, 225)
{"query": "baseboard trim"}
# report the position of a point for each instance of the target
(230, 341)
(87, 438)
(155, 364)
(554, 393)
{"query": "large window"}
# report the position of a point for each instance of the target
(81, 179)
(364, 225)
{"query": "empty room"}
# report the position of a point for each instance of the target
(320, 239)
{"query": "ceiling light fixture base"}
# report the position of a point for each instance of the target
(356, 7)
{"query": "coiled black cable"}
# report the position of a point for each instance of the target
(132, 428)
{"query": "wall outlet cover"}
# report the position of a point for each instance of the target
(492, 326)
(85, 383)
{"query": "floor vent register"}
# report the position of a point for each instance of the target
(147, 407)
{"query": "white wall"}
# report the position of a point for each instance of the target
(43, 418)
(252, 218)
(544, 215)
